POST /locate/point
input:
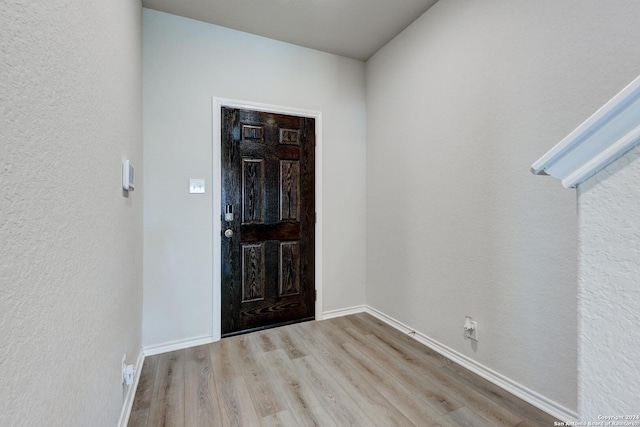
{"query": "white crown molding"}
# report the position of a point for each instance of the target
(608, 134)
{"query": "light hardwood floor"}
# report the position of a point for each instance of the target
(353, 370)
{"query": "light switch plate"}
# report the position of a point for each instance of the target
(196, 186)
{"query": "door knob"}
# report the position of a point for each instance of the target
(228, 233)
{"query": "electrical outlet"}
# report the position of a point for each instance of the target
(129, 373)
(473, 333)
(124, 367)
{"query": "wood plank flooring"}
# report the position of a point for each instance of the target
(348, 371)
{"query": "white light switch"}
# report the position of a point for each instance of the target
(196, 186)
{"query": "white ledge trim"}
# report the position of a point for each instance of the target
(608, 134)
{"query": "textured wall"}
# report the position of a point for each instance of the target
(609, 291)
(458, 108)
(70, 243)
(188, 62)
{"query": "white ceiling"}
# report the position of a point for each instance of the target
(351, 28)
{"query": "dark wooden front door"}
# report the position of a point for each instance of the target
(268, 244)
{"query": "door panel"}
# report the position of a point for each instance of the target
(252, 191)
(268, 183)
(253, 272)
(289, 190)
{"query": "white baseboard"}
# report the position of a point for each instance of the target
(524, 393)
(131, 393)
(344, 311)
(166, 347)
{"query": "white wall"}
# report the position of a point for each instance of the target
(458, 107)
(70, 243)
(186, 63)
(609, 295)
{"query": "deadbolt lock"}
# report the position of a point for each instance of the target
(228, 213)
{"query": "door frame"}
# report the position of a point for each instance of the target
(216, 194)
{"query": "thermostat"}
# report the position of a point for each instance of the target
(127, 175)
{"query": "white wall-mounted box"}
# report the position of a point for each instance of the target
(128, 173)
